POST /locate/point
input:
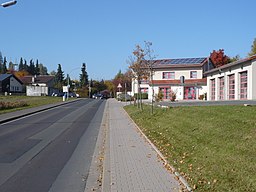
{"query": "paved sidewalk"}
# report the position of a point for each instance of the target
(131, 164)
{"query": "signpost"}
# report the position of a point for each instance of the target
(65, 90)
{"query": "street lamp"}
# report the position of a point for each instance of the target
(9, 3)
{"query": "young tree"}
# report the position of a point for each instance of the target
(253, 48)
(138, 66)
(83, 76)
(142, 65)
(219, 58)
(149, 60)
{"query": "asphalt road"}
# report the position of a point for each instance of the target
(51, 150)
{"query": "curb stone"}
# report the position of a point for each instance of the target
(166, 163)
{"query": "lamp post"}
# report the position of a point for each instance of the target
(8, 4)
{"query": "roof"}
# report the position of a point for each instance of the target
(230, 65)
(38, 79)
(4, 76)
(177, 82)
(181, 62)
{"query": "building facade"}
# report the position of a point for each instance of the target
(9, 83)
(233, 81)
(182, 77)
(40, 85)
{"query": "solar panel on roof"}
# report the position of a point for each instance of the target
(186, 61)
(182, 61)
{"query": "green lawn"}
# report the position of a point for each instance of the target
(28, 101)
(213, 147)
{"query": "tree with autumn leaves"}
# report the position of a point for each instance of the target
(218, 58)
(141, 64)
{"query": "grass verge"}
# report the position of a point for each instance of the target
(213, 147)
(14, 103)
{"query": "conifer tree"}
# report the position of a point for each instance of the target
(83, 76)
(21, 65)
(4, 70)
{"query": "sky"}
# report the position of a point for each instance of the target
(103, 34)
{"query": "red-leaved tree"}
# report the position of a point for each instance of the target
(219, 58)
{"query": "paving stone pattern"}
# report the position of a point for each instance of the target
(134, 165)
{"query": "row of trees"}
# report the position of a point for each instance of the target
(82, 84)
(23, 68)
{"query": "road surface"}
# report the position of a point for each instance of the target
(51, 150)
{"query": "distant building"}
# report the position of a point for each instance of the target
(233, 81)
(40, 85)
(183, 77)
(9, 83)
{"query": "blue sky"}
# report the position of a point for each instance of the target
(104, 33)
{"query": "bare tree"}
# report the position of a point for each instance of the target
(138, 66)
(141, 64)
(149, 61)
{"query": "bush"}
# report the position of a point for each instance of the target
(12, 105)
(143, 96)
(159, 96)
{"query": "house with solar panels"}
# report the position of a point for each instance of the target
(233, 81)
(184, 77)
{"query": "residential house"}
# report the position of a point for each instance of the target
(184, 77)
(233, 81)
(38, 85)
(9, 83)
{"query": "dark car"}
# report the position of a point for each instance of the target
(97, 96)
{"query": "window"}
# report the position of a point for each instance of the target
(168, 75)
(190, 93)
(243, 85)
(193, 74)
(231, 87)
(212, 89)
(221, 88)
(144, 90)
(166, 92)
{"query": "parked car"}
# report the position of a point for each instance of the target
(60, 94)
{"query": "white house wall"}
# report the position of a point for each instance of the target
(179, 90)
(236, 70)
(36, 90)
(158, 75)
(254, 79)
